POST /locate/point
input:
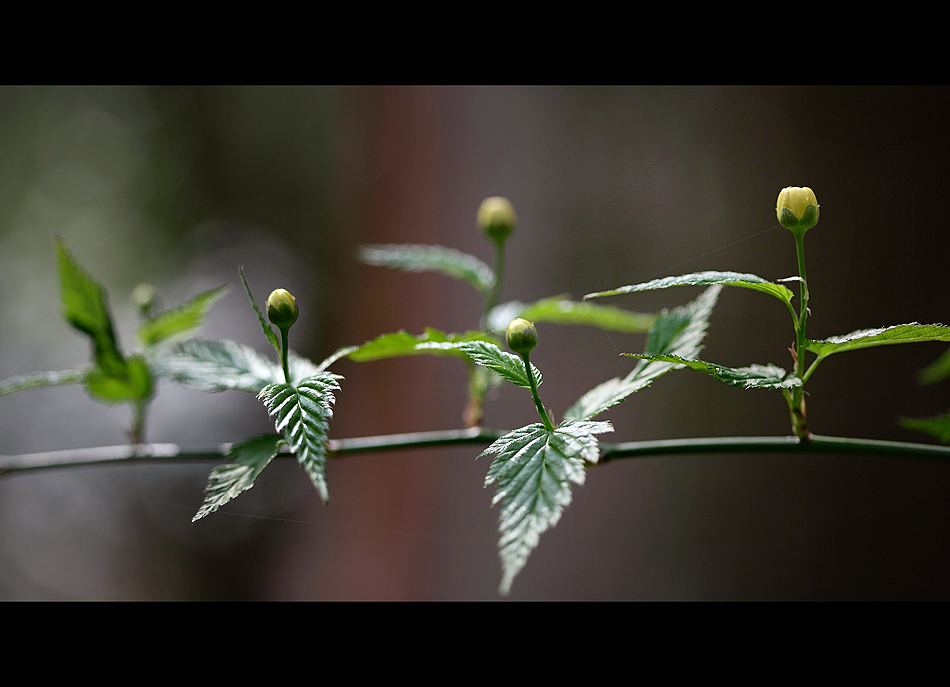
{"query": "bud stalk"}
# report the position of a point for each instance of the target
(282, 312)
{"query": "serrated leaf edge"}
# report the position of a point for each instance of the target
(306, 435)
(520, 525)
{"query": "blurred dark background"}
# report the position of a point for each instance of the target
(179, 186)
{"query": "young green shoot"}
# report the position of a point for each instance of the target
(282, 312)
(522, 338)
(797, 211)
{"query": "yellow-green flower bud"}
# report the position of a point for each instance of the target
(143, 297)
(522, 336)
(496, 217)
(797, 208)
(281, 308)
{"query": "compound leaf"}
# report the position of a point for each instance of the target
(563, 310)
(265, 326)
(676, 332)
(34, 380)
(752, 377)
(85, 308)
(936, 371)
(113, 378)
(215, 366)
(748, 281)
(423, 258)
(401, 343)
(336, 355)
(866, 338)
(227, 482)
(505, 364)
(131, 381)
(182, 319)
(533, 471)
(937, 426)
(300, 368)
(302, 414)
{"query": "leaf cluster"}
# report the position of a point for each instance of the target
(113, 376)
(301, 405)
(300, 402)
(533, 468)
(770, 376)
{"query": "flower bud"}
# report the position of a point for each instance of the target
(496, 217)
(281, 308)
(143, 297)
(522, 336)
(797, 208)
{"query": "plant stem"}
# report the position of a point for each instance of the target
(475, 405)
(139, 410)
(283, 353)
(494, 293)
(811, 369)
(478, 376)
(796, 399)
(791, 309)
(376, 444)
(412, 440)
(817, 445)
(803, 309)
(548, 425)
(215, 452)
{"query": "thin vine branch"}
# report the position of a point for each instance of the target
(789, 444)
(481, 436)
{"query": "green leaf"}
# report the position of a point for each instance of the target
(183, 319)
(505, 364)
(85, 308)
(302, 416)
(562, 310)
(420, 258)
(215, 366)
(34, 380)
(676, 332)
(268, 332)
(866, 338)
(128, 383)
(227, 482)
(748, 281)
(752, 377)
(533, 471)
(936, 371)
(401, 343)
(113, 378)
(938, 426)
(336, 355)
